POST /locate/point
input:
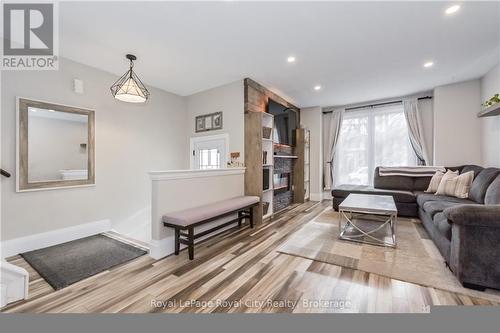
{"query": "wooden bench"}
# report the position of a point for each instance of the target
(190, 218)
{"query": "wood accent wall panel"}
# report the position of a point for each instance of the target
(257, 96)
(253, 159)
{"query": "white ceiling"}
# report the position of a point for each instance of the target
(355, 51)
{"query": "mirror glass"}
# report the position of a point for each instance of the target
(57, 145)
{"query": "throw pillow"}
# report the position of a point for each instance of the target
(435, 180)
(456, 185)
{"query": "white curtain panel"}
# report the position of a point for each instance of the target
(415, 130)
(334, 127)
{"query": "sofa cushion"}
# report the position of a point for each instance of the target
(476, 168)
(481, 183)
(421, 183)
(442, 225)
(434, 207)
(492, 196)
(456, 186)
(423, 197)
(435, 181)
(343, 191)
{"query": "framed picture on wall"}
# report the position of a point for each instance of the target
(208, 122)
(217, 120)
(200, 124)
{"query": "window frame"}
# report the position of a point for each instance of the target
(207, 138)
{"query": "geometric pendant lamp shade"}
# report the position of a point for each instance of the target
(129, 88)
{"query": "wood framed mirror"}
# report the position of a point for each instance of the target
(55, 146)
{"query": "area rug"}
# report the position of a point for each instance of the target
(416, 259)
(64, 264)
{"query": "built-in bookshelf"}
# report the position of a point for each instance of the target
(267, 164)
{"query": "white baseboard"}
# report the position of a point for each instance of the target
(161, 248)
(316, 196)
(29, 243)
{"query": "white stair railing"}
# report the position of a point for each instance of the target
(14, 282)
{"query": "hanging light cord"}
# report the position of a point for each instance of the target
(131, 65)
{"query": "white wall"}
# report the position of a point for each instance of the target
(229, 99)
(457, 130)
(130, 141)
(490, 126)
(312, 119)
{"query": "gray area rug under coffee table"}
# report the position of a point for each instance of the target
(64, 264)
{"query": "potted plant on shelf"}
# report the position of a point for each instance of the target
(492, 101)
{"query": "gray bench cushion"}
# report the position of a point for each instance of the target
(343, 191)
(194, 215)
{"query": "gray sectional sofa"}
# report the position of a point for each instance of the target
(466, 231)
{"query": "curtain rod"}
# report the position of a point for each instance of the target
(378, 104)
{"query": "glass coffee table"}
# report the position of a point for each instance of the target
(369, 219)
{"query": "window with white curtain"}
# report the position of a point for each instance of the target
(370, 138)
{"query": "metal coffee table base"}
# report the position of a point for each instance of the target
(366, 236)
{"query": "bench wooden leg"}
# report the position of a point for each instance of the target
(250, 210)
(177, 241)
(191, 243)
(239, 218)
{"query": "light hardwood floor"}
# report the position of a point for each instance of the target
(239, 271)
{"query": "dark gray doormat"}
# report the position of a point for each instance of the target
(64, 264)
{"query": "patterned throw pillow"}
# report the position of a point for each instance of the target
(456, 185)
(435, 180)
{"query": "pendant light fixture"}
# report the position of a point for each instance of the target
(129, 88)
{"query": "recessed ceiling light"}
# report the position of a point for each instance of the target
(451, 10)
(290, 59)
(317, 87)
(428, 64)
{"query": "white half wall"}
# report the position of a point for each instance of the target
(131, 139)
(457, 130)
(228, 99)
(490, 126)
(183, 189)
(312, 119)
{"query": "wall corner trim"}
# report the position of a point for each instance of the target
(37, 241)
